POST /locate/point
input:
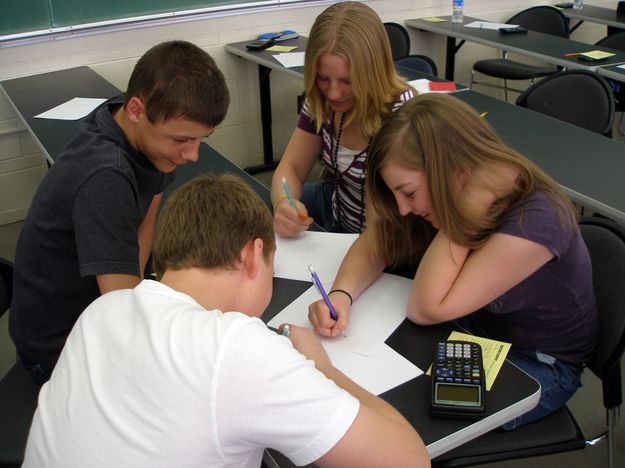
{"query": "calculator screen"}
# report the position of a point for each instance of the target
(454, 394)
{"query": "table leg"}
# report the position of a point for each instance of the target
(264, 81)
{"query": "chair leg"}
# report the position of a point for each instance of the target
(612, 420)
(620, 127)
(472, 80)
(505, 89)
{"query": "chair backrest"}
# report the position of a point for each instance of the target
(613, 41)
(421, 63)
(399, 39)
(544, 19)
(579, 97)
(606, 243)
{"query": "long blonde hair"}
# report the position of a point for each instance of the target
(354, 32)
(443, 137)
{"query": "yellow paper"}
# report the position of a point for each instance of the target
(493, 354)
(597, 54)
(281, 48)
(434, 19)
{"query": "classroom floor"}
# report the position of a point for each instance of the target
(586, 404)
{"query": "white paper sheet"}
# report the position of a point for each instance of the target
(488, 25)
(384, 370)
(323, 250)
(361, 353)
(73, 109)
(374, 315)
(290, 59)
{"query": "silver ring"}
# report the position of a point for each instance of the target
(286, 330)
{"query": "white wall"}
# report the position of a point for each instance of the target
(114, 54)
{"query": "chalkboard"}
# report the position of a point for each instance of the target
(22, 16)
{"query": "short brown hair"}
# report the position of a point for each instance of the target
(207, 222)
(178, 79)
(355, 32)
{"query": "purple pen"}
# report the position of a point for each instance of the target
(317, 282)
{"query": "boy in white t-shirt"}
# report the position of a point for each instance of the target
(182, 372)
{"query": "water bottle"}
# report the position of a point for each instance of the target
(578, 4)
(456, 15)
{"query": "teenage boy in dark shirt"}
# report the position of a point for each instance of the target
(90, 226)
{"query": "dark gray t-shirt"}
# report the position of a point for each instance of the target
(83, 222)
(554, 309)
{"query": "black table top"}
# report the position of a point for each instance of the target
(54, 88)
(587, 165)
(551, 49)
(596, 14)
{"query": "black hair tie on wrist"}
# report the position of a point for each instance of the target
(351, 300)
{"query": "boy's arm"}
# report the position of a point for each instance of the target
(145, 234)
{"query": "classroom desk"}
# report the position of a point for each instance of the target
(588, 166)
(595, 14)
(614, 72)
(56, 88)
(266, 63)
(513, 393)
(550, 49)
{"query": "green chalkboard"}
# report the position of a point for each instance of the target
(71, 12)
(22, 16)
(18, 16)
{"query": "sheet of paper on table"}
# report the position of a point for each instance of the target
(74, 109)
(361, 352)
(323, 250)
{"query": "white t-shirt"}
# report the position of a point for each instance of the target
(149, 378)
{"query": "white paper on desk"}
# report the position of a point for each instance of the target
(378, 311)
(323, 250)
(73, 109)
(488, 25)
(384, 370)
(290, 59)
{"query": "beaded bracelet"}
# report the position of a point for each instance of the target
(351, 300)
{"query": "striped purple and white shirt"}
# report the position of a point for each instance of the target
(349, 198)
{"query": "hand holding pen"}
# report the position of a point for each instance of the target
(327, 318)
(288, 223)
(319, 286)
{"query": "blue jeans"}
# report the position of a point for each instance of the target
(558, 382)
(317, 198)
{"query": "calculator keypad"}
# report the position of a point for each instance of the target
(458, 362)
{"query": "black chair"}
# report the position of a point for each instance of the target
(421, 63)
(579, 97)
(616, 41)
(18, 393)
(559, 432)
(399, 39)
(544, 19)
(400, 48)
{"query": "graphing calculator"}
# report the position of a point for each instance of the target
(458, 380)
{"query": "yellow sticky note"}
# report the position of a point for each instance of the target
(434, 19)
(281, 48)
(597, 54)
(493, 354)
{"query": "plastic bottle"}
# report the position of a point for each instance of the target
(456, 14)
(578, 4)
